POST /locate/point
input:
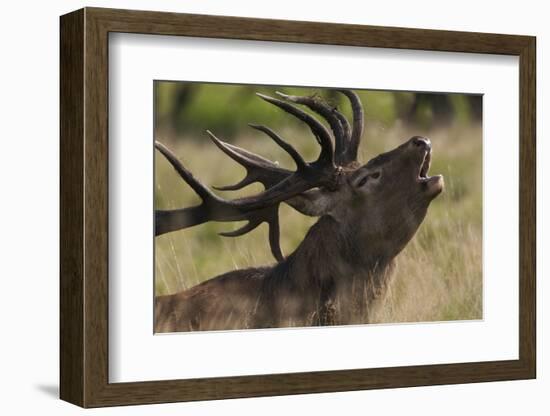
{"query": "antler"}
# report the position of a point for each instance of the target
(281, 185)
(350, 152)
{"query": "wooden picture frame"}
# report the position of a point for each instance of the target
(84, 207)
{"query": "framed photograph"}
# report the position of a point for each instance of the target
(256, 207)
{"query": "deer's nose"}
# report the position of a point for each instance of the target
(422, 142)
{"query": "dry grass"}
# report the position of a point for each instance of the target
(439, 274)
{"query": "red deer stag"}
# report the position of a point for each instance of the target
(367, 215)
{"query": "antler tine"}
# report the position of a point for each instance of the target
(172, 220)
(300, 162)
(274, 238)
(338, 123)
(319, 131)
(249, 226)
(357, 132)
(345, 126)
(187, 176)
(274, 234)
(258, 169)
(243, 183)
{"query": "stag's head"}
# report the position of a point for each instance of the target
(384, 201)
(381, 203)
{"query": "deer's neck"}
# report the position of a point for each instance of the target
(330, 278)
(332, 253)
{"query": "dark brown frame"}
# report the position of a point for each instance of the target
(84, 209)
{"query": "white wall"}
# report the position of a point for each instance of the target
(29, 207)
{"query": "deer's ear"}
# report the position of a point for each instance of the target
(314, 203)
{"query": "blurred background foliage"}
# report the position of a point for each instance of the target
(439, 274)
(175, 115)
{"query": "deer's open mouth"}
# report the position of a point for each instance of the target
(425, 167)
(432, 185)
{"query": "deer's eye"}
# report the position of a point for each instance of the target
(365, 179)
